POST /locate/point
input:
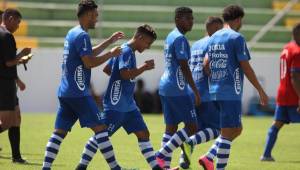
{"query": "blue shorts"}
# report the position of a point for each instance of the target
(287, 114)
(208, 115)
(130, 121)
(178, 109)
(230, 113)
(82, 108)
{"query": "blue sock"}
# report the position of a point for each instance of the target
(52, 149)
(204, 135)
(148, 152)
(271, 139)
(106, 149)
(168, 158)
(212, 153)
(89, 151)
(176, 140)
(223, 152)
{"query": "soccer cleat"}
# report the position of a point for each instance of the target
(206, 163)
(187, 154)
(19, 161)
(267, 159)
(160, 162)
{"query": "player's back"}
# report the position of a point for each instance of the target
(226, 49)
(196, 66)
(119, 93)
(75, 80)
(289, 60)
(172, 82)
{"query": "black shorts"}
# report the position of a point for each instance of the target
(8, 94)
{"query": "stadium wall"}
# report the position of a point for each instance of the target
(43, 76)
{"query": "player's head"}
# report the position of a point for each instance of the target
(11, 18)
(144, 36)
(213, 24)
(87, 12)
(1, 12)
(184, 19)
(233, 15)
(296, 33)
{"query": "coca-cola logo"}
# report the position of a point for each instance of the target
(116, 91)
(180, 79)
(219, 64)
(79, 77)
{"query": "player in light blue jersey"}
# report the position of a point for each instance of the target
(120, 109)
(75, 101)
(207, 113)
(174, 85)
(229, 61)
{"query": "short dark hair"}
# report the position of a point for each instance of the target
(232, 12)
(296, 30)
(146, 30)
(85, 6)
(182, 11)
(213, 20)
(11, 13)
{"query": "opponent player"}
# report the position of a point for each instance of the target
(207, 112)
(75, 101)
(177, 104)
(228, 61)
(120, 109)
(287, 110)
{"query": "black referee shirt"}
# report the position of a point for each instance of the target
(8, 51)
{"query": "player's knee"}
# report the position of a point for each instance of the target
(144, 135)
(278, 124)
(61, 132)
(171, 129)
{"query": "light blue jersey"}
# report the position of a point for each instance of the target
(172, 82)
(196, 66)
(75, 80)
(119, 93)
(226, 48)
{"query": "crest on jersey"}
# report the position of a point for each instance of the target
(116, 91)
(180, 79)
(79, 77)
(237, 81)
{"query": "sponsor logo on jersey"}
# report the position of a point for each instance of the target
(180, 79)
(237, 81)
(79, 77)
(116, 91)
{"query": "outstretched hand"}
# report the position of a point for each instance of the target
(116, 36)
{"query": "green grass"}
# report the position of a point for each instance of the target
(36, 129)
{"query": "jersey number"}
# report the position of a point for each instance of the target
(283, 65)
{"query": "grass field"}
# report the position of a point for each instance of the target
(36, 129)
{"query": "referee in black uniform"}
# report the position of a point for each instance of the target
(10, 117)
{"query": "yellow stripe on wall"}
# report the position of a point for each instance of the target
(278, 5)
(23, 42)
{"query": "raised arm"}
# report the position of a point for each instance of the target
(112, 39)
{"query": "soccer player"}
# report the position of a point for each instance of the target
(228, 61)
(75, 101)
(177, 104)
(10, 116)
(287, 110)
(120, 109)
(207, 112)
